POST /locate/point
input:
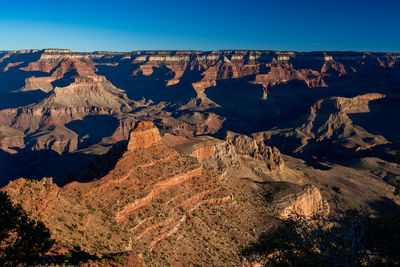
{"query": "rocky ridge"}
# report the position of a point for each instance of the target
(152, 198)
(78, 85)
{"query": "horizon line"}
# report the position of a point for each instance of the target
(198, 50)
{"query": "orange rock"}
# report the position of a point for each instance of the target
(144, 135)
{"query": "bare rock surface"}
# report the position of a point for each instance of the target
(306, 202)
(144, 135)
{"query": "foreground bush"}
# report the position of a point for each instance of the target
(23, 241)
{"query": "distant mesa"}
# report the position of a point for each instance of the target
(56, 50)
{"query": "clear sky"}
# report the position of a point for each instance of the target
(117, 25)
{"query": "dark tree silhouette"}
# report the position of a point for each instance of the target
(350, 238)
(22, 239)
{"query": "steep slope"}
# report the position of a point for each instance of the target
(161, 205)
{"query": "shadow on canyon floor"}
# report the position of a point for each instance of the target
(66, 80)
(38, 164)
(89, 129)
(65, 168)
(21, 98)
(14, 78)
(382, 119)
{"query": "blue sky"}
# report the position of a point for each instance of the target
(201, 25)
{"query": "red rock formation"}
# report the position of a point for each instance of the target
(76, 88)
(248, 146)
(144, 135)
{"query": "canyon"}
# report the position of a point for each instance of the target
(185, 157)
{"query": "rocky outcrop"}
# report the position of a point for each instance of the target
(248, 146)
(306, 202)
(211, 152)
(223, 156)
(238, 155)
(144, 135)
